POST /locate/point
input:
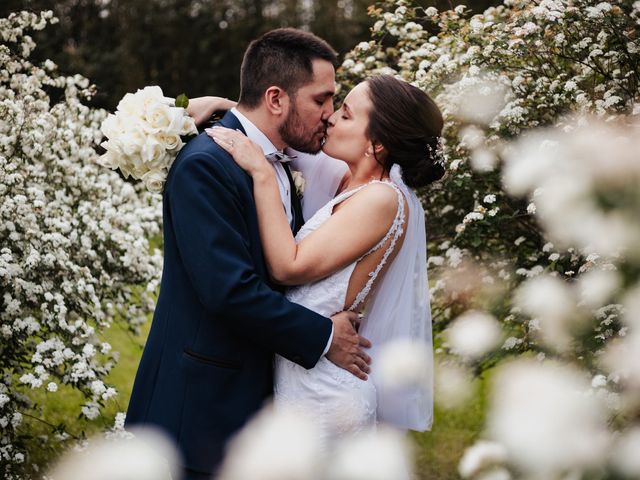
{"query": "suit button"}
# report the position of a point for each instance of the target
(297, 358)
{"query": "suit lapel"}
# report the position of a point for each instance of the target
(231, 121)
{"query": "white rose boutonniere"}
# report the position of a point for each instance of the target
(298, 182)
(145, 134)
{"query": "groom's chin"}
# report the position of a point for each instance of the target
(311, 148)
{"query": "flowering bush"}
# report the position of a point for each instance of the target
(496, 75)
(537, 226)
(73, 245)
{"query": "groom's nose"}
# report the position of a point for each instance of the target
(327, 111)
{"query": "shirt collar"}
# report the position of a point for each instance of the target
(255, 134)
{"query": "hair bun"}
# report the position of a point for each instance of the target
(427, 169)
(422, 173)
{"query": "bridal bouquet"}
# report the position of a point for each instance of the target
(144, 135)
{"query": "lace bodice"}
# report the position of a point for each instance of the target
(327, 296)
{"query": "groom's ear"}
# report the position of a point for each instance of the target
(276, 100)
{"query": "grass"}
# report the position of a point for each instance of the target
(437, 451)
(63, 406)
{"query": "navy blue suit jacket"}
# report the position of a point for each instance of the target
(208, 361)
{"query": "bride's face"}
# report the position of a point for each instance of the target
(347, 133)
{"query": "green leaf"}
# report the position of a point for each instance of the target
(182, 101)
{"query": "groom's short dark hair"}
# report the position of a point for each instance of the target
(281, 57)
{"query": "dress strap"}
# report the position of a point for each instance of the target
(394, 232)
(341, 197)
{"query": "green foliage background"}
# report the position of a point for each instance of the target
(190, 46)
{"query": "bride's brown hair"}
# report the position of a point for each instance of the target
(408, 124)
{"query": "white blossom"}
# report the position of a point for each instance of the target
(544, 419)
(275, 444)
(473, 334)
(479, 456)
(625, 453)
(386, 451)
(453, 385)
(405, 363)
(148, 455)
(551, 302)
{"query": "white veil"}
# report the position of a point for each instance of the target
(400, 309)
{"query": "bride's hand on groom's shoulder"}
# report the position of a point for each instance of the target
(347, 346)
(201, 108)
(246, 153)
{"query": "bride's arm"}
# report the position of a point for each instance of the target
(350, 232)
(201, 108)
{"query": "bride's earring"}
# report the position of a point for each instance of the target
(368, 152)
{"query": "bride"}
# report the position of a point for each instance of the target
(365, 250)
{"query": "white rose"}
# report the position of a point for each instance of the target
(151, 95)
(131, 105)
(126, 166)
(111, 126)
(188, 126)
(113, 146)
(154, 180)
(131, 140)
(158, 116)
(169, 141)
(109, 160)
(177, 121)
(152, 151)
(151, 91)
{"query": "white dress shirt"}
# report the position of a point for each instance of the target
(268, 148)
(256, 135)
(322, 176)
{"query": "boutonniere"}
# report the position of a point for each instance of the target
(298, 182)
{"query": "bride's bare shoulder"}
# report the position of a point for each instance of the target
(378, 199)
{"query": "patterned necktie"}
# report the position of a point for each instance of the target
(279, 157)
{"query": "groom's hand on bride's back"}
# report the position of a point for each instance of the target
(347, 346)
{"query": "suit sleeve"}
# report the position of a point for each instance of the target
(212, 238)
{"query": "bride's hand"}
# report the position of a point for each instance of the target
(201, 108)
(247, 154)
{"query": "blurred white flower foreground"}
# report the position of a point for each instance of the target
(276, 444)
(146, 456)
(575, 416)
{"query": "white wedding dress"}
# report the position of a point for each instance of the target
(339, 402)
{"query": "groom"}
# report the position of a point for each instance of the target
(207, 364)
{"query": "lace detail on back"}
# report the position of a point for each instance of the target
(395, 232)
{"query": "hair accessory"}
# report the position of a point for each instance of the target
(437, 152)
